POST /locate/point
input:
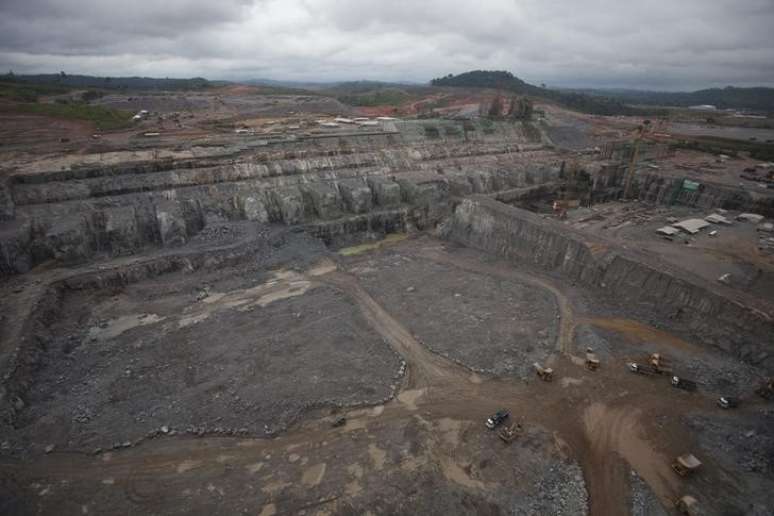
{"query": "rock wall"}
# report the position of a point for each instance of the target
(607, 184)
(72, 216)
(716, 316)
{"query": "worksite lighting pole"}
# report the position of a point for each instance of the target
(633, 162)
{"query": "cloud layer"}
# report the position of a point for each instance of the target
(615, 43)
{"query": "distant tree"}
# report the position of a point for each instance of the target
(543, 85)
(90, 95)
(521, 108)
(496, 107)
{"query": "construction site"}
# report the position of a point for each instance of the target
(282, 304)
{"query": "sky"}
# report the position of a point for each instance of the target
(647, 44)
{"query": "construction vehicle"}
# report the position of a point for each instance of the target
(658, 363)
(683, 383)
(561, 206)
(766, 390)
(592, 362)
(728, 402)
(544, 373)
(634, 367)
(685, 465)
(497, 419)
(687, 505)
(509, 433)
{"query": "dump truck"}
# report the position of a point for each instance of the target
(592, 362)
(728, 402)
(683, 383)
(497, 419)
(544, 373)
(636, 368)
(685, 465)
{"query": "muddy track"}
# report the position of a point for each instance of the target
(424, 367)
(605, 472)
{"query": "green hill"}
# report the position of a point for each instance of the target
(506, 81)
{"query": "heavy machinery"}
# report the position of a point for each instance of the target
(687, 505)
(683, 383)
(544, 373)
(685, 465)
(636, 368)
(497, 419)
(728, 402)
(592, 362)
(766, 390)
(509, 433)
(562, 205)
(658, 363)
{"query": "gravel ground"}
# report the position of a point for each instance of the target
(644, 502)
(560, 491)
(499, 327)
(238, 370)
(240, 349)
(713, 371)
(740, 440)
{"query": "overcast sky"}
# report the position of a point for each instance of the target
(666, 44)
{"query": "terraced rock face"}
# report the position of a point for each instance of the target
(732, 321)
(358, 185)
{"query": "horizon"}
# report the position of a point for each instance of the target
(258, 80)
(671, 47)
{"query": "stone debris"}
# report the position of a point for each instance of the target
(750, 217)
(691, 226)
(717, 219)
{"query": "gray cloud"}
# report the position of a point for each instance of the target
(657, 44)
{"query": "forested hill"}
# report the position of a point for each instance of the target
(755, 99)
(502, 80)
(122, 83)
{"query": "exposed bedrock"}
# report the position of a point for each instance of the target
(737, 323)
(73, 220)
(660, 189)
